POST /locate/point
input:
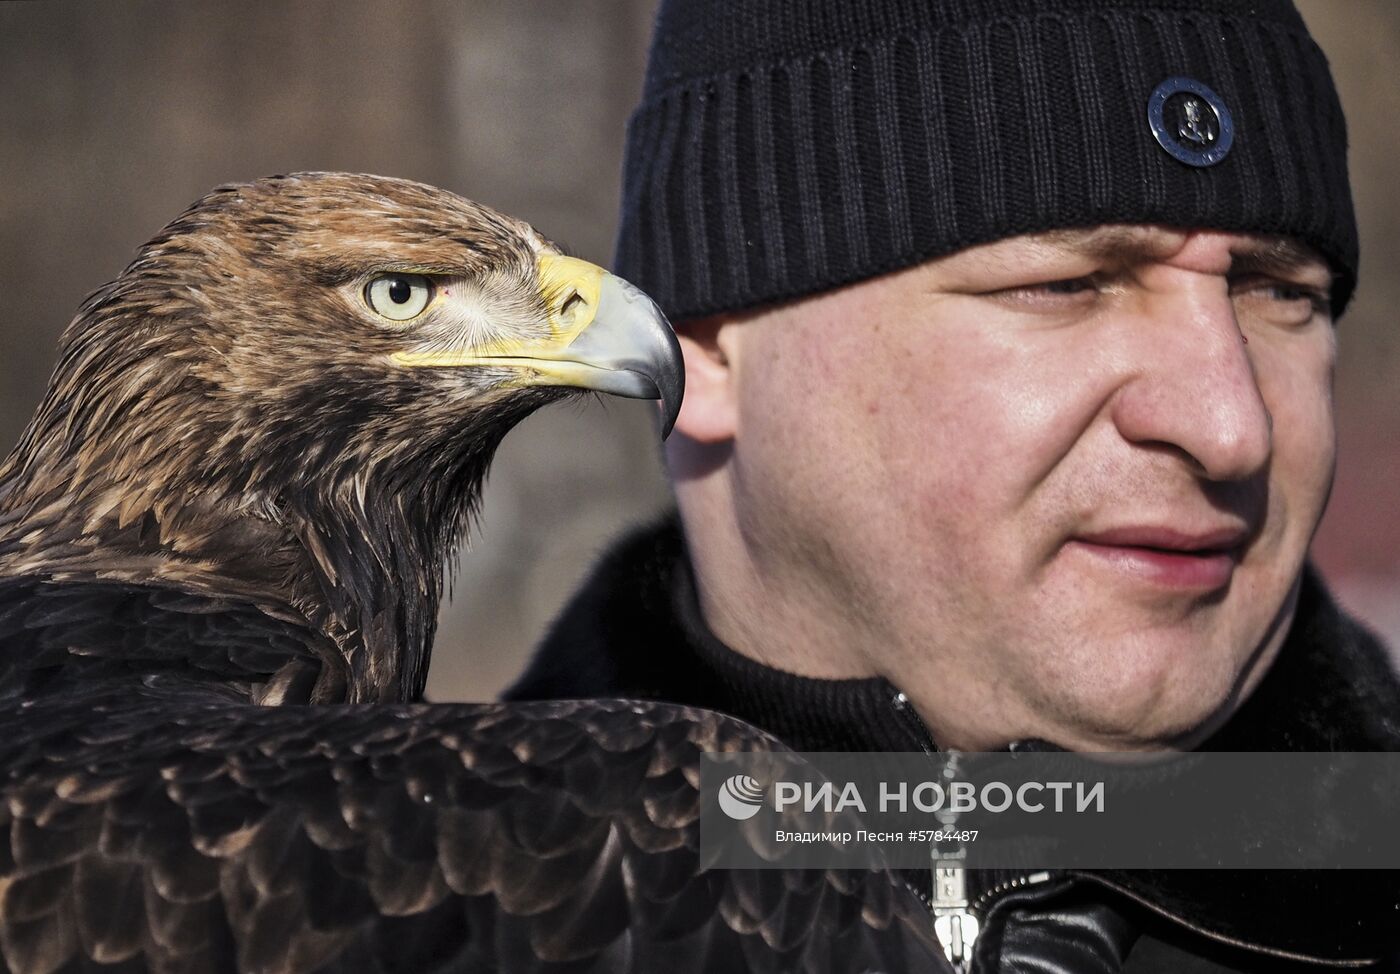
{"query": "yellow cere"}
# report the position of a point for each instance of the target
(571, 288)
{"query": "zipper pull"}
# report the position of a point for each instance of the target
(953, 922)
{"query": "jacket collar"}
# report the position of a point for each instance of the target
(636, 629)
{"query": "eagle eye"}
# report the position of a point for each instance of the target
(398, 297)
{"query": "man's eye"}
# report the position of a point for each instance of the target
(1292, 292)
(1065, 294)
(1074, 285)
(1283, 302)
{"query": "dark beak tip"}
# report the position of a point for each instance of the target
(668, 398)
(673, 384)
(672, 395)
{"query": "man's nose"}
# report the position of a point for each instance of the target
(1192, 384)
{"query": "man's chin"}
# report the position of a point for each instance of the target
(1173, 702)
(1122, 674)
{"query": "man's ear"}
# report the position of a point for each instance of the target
(709, 412)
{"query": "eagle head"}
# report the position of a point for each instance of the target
(306, 377)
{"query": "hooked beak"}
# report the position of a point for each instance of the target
(605, 335)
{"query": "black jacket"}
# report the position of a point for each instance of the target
(635, 630)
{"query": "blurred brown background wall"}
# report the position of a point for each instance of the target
(115, 114)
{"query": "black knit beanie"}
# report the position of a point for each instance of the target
(783, 147)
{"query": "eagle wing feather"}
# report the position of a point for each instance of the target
(152, 827)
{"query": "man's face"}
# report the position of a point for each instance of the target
(1057, 486)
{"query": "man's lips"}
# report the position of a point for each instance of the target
(1200, 560)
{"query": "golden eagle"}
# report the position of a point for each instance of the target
(222, 539)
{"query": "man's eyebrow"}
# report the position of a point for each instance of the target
(1110, 242)
(1278, 255)
(1101, 243)
(1259, 255)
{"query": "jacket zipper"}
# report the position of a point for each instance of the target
(953, 923)
(956, 921)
